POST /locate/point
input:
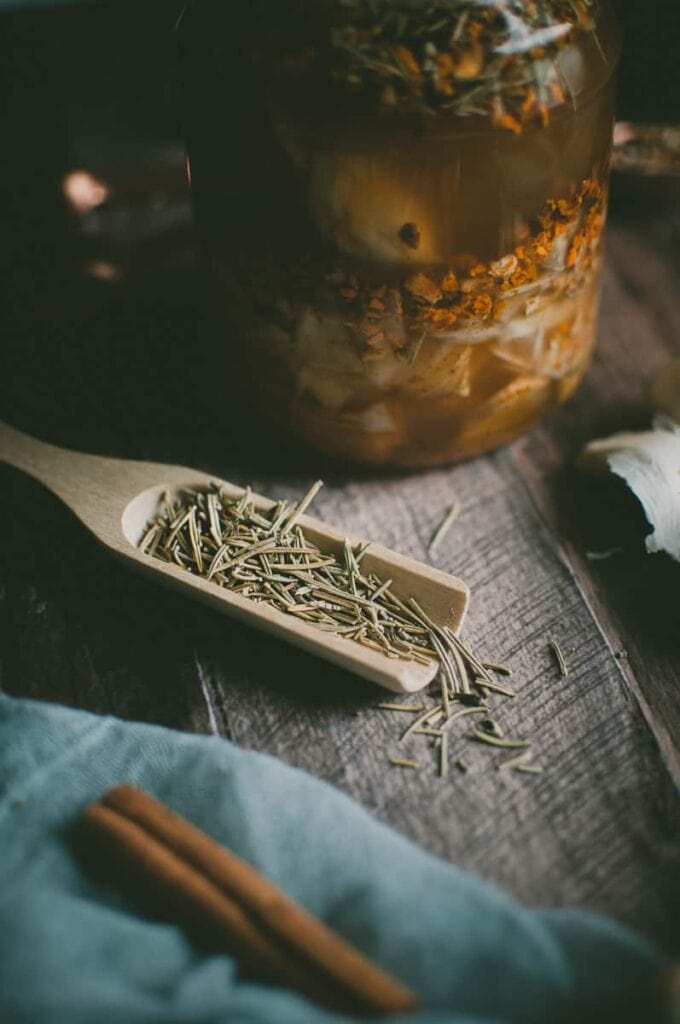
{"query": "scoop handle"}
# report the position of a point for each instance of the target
(95, 488)
(52, 467)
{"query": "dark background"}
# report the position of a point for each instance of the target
(77, 72)
(95, 86)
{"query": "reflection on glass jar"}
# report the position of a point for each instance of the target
(404, 204)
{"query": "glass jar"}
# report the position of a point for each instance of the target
(403, 202)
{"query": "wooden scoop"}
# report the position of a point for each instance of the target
(116, 498)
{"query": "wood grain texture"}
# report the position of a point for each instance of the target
(110, 371)
(633, 596)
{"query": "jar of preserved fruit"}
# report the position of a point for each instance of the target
(403, 202)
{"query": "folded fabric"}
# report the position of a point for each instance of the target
(74, 950)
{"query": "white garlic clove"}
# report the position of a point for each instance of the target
(649, 463)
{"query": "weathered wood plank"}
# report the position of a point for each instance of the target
(634, 595)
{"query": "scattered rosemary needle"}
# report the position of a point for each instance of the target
(444, 526)
(444, 755)
(413, 708)
(496, 741)
(422, 720)
(483, 710)
(501, 670)
(559, 658)
(492, 728)
(485, 687)
(514, 762)
(404, 762)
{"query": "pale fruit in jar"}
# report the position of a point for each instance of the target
(376, 209)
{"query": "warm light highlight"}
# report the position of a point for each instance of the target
(102, 270)
(83, 191)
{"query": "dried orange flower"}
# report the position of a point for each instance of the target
(504, 267)
(408, 60)
(529, 101)
(449, 282)
(468, 62)
(479, 306)
(441, 319)
(423, 288)
(510, 123)
(575, 249)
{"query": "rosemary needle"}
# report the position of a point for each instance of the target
(485, 685)
(514, 762)
(483, 710)
(404, 762)
(414, 708)
(444, 526)
(559, 658)
(304, 504)
(496, 741)
(502, 670)
(421, 721)
(444, 756)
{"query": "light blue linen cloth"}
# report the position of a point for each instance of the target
(73, 951)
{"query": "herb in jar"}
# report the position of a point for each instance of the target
(459, 57)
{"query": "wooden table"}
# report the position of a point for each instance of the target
(112, 369)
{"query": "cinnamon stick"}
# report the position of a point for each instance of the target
(217, 894)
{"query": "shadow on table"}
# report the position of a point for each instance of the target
(604, 519)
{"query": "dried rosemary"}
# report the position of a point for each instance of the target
(496, 741)
(518, 763)
(412, 708)
(437, 722)
(443, 756)
(501, 670)
(404, 762)
(559, 658)
(445, 525)
(462, 57)
(264, 555)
